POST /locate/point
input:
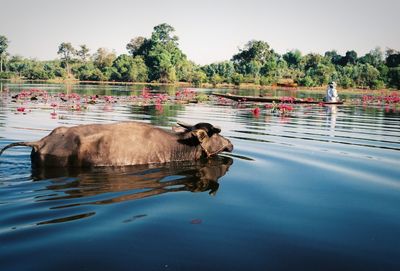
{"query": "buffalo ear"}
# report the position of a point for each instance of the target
(200, 134)
(216, 130)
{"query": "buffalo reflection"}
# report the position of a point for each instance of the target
(139, 181)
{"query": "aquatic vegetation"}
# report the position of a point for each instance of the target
(256, 112)
(275, 109)
(284, 108)
(53, 114)
(390, 98)
(202, 97)
(21, 109)
(280, 109)
(286, 99)
(185, 95)
(35, 99)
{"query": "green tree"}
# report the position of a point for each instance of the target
(254, 55)
(392, 58)
(216, 79)
(139, 71)
(364, 75)
(224, 70)
(349, 58)
(83, 53)
(3, 49)
(391, 70)
(164, 60)
(333, 57)
(164, 57)
(35, 70)
(254, 50)
(306, 81)
(269, 68)
(311, 61)
(374, 58)
(184, 70)
(139, 46)
(16, 64)
(198, 77)
(322, 73)
(161, 66)
(163, 33)
(129, 69)
(89, 72)
(394, 77)
(103, 58)
(293, 58)
(237, 79)
(66, 52)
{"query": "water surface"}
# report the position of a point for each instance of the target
(318, 189)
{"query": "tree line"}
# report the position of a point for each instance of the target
(158, 58)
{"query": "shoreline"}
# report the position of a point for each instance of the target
(244, 86)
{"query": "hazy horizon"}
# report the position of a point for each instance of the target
(208, 31)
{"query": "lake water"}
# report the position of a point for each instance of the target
(317, 189)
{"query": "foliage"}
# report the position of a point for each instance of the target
(292, 58)
(3, 49)
(158, 58)
(137, 46)
(306, 81)
(394, 77)
(129, 69)
(198, 77)
(219, 72)
(103, 58)
(374, 58)
(251, 60)
(237, 79)
(201, 97)
(83, 53)
(66, 52)
(267, 80)
(6, 75)
(392, 58)
(216, 79)
(3, 44)
(165, 62)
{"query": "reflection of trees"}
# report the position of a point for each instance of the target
(158, 115)
(136, 182)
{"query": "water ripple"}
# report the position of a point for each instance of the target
(321, 180)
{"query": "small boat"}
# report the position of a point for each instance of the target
(262, 99)
(328, 103)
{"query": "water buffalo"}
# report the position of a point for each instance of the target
(124, 143)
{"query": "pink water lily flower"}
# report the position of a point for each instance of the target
(256, 112)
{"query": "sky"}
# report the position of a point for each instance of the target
(208, 30)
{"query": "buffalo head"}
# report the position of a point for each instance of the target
(207, 136)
